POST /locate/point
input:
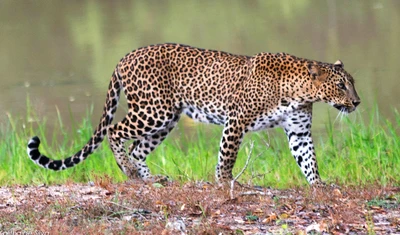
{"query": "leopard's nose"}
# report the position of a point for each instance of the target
(356, 103)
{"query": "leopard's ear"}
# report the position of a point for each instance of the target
(317, 73)
(339, 64)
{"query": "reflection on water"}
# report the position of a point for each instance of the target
(62, 53)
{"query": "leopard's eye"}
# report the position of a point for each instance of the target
(341, 86)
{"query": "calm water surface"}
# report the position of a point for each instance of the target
(61, 54)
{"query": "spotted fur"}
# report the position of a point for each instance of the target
(241, 93)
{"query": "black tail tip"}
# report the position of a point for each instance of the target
(33, 148)
(36, 139)
(34, 142)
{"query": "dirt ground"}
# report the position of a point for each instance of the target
(196, 208)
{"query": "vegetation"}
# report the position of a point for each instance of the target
(355, 153)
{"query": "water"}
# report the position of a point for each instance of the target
(61, 54)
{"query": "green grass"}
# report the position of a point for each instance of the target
(354, 153)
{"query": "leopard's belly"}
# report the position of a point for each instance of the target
(205, 115)
(265, 122)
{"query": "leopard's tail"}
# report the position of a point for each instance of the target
(110, 107)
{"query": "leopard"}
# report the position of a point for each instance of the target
(242, 93)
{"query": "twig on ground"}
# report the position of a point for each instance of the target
(249, 193)
(125, 207)
(243, 169)
(267, 144)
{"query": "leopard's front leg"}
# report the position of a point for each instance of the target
(232, 136)
(298, 131)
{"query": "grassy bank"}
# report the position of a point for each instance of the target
(351, 153)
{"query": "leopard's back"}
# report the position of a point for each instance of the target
(197, 81)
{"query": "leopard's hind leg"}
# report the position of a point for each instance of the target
(117, 136)
(146, 139)
(139, 150)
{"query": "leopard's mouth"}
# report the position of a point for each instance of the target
(344, 109)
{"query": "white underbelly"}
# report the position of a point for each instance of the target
(204, 115)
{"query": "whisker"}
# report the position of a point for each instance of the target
(341, 114)
(337, 116)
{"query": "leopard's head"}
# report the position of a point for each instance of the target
(334, 85)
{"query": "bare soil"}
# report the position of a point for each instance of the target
(196, 208)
